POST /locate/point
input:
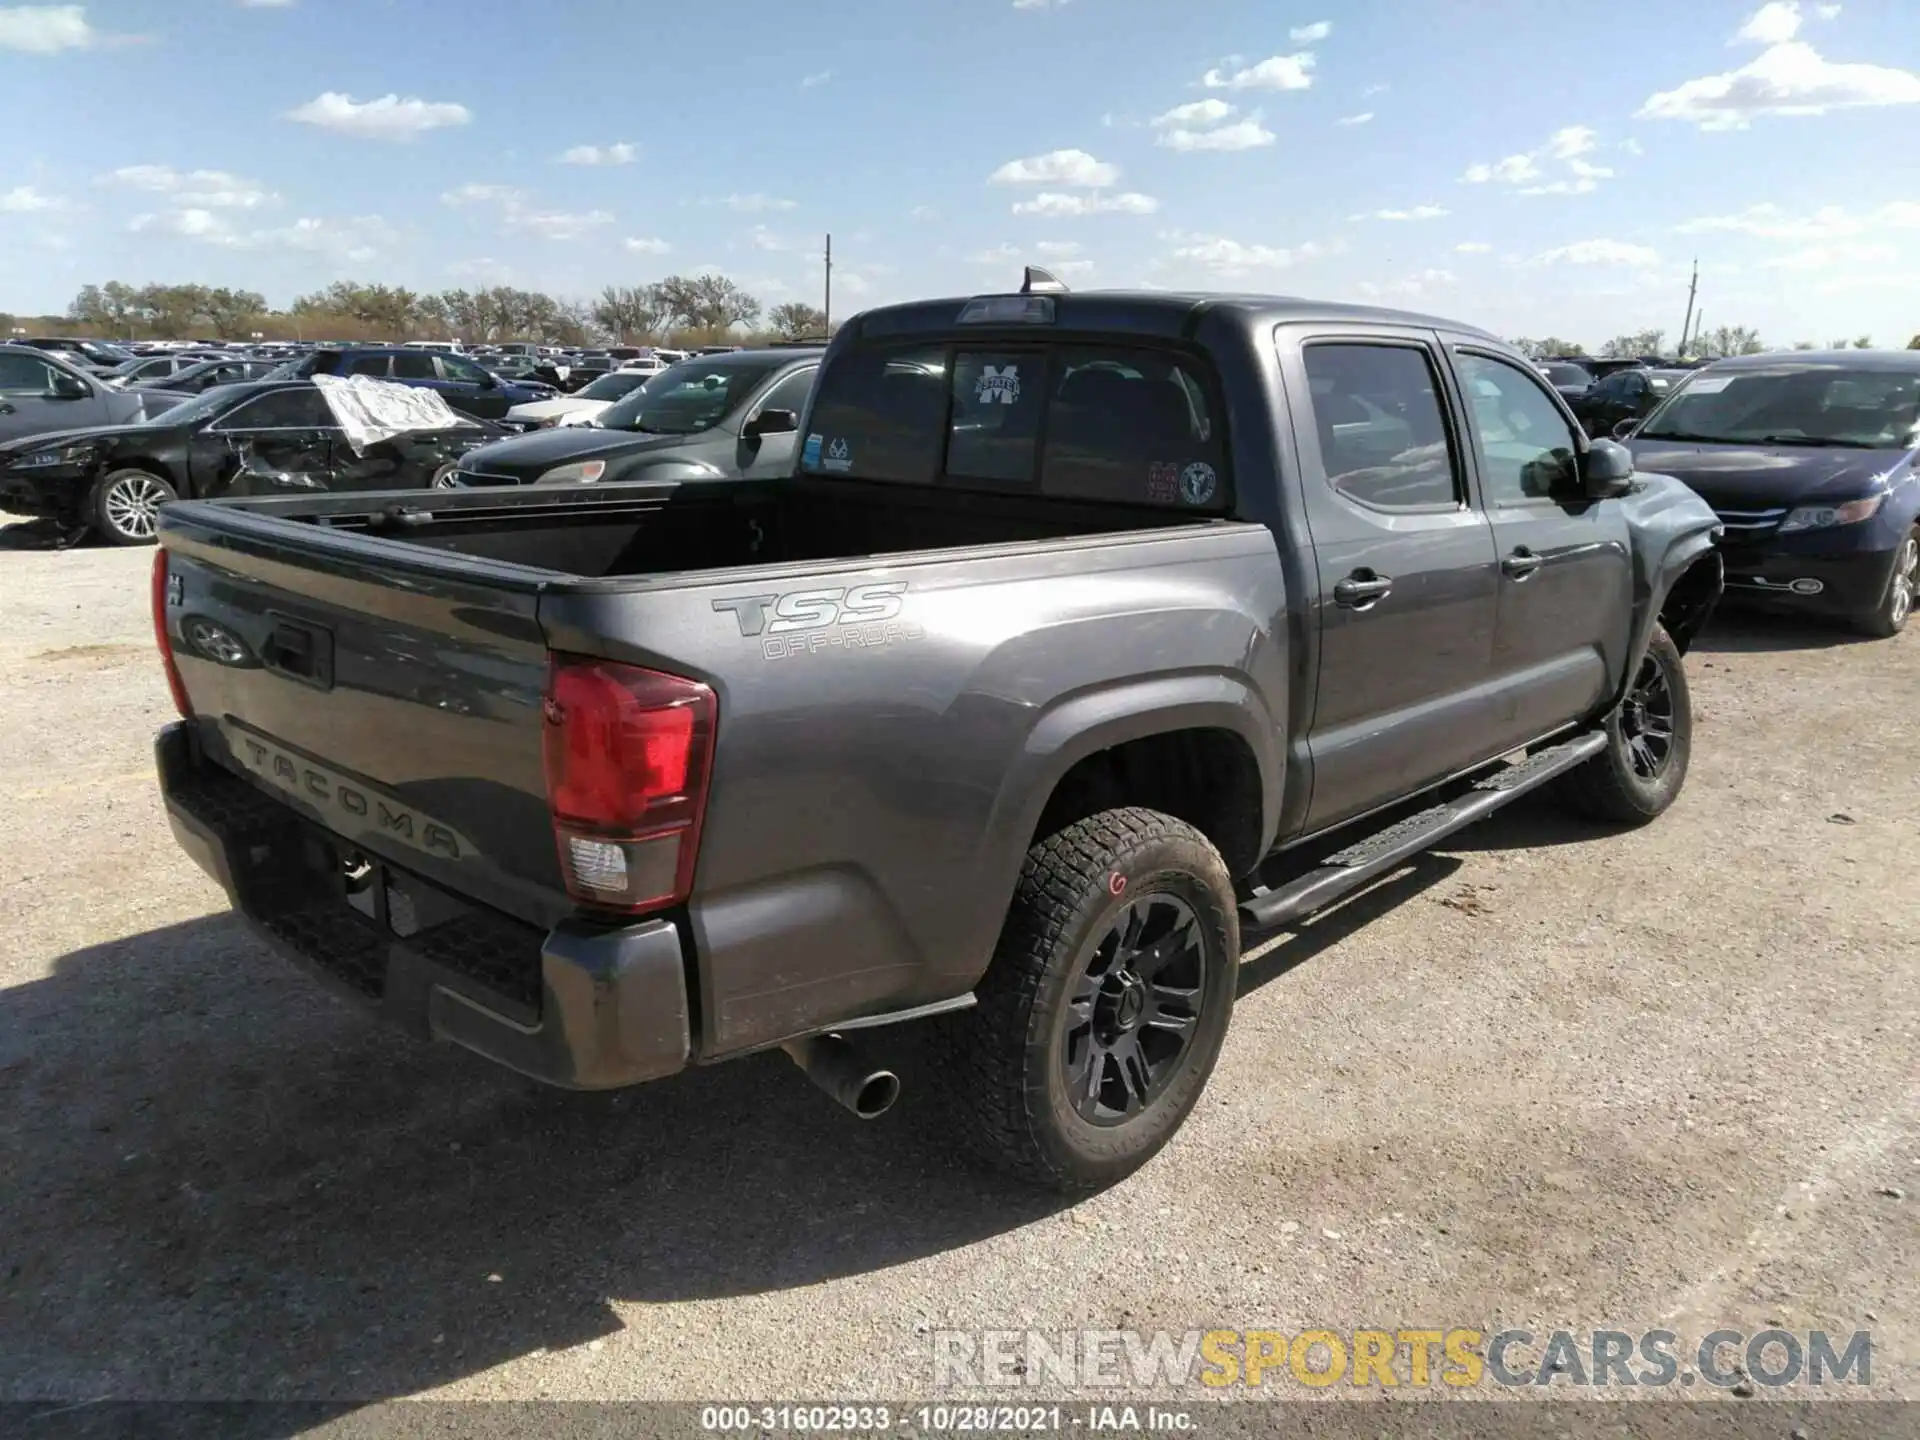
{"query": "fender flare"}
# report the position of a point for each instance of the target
(1089, 721)
(1677, 561)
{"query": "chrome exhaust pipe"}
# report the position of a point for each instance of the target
(838, 1068)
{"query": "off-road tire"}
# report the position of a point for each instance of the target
(1608, 787)
(1897, 598)
(1000, 1062)
(123, 503)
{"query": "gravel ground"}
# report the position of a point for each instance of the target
(1549, 1078)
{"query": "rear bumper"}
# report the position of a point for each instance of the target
(1809, 584)
(580, 1006)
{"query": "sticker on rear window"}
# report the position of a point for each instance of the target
(997, 383)
(1163, 481)
(839, 454)
(1197, 483)
(811, 454)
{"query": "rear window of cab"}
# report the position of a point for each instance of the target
(1132, 426)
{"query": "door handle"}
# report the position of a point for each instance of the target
(1361, 589)
(1521, 563)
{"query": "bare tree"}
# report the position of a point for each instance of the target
(797, 320)
(708, 302)
(1640, 342)
(1727, 340)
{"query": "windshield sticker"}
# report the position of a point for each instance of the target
(811, 454)
(839, 454)
(1197, 483)
(1163, 481)
(998, 383)
(1710, 385)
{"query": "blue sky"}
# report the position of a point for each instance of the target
(1530, 165)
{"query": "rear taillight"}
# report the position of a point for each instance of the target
(161, 591)
(628, 752)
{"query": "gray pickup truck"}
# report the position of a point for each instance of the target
(1092, 630)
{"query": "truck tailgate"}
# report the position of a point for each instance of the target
(392, 696)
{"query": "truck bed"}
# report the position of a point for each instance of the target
(658, 529)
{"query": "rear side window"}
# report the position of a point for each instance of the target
(367, 365)
(1382, 430)
(415, 365)
(1091, 422)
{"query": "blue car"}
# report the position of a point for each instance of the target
(465, 386)
(1812, 462)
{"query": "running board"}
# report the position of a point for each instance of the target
(1349, 869)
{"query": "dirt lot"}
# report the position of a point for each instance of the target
(1549, 1078)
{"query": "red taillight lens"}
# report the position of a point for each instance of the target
(164, 640)
(627, 755)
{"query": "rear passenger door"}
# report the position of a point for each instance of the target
(1408, 586)
(1565, 575)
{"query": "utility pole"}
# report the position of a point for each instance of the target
(827, 324)
(1692, 286)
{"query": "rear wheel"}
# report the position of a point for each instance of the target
(1649, 743)
(126, 506)
(1105, 1006)
(1889, 617)
(443, 477)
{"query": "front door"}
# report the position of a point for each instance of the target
(280, 443)
(468, 388)
(1407, 580)
(1566, 576)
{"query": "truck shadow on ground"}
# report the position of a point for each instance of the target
(222, 1182)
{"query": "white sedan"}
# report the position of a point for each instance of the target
(583, 405)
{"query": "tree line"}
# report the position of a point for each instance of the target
(1715, 344)
(687, 309)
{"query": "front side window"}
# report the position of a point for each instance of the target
(790, 394)
(1382, 428)
(24, 375)
(302, 409)
(1526, 449)
(465, 371)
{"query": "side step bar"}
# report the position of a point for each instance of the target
(1349, 869)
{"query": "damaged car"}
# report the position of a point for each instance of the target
(263, 438)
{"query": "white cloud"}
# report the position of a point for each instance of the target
(1599, 252)
(477, 194)
(1057, 167)
(1248, 134)
(1773, 23)
(818, 78)
(923, 212)
(1372, 90)
(1417, 283)
(1472, 247)
(555, 224)
(387, 118)
(25, 200)
(1222, 256)
(1276, 72)
(1310, 34)
(1056, 205)
(645, 245)
(762, 238)
(1001, 254)
(1198, 112)
(1058, 249)
(266, 4)
(1827, 12)
(45, 29)
(1832, 257)
(1418, 212)
(1362, 118)
(199, 189)
(750, 203)
(1528, 170)
(1830, 222)
(1786, 79)
(621, 153)
(1632, 147)
(358, 238)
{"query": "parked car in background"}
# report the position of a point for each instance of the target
(582, 407)
(1624, 395)
(728, 417)
(1568, 377)
(1812, 462)
(94, 356)
(185, 384)
(460, 382)
(275, 437)
(41, 392)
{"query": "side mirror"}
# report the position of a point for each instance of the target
(69, 387)
(1606, 470)
(1625, 428)
(773, 422)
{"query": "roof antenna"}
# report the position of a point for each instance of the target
(1041, 282)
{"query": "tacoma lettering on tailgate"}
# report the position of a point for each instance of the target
(350, 806)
